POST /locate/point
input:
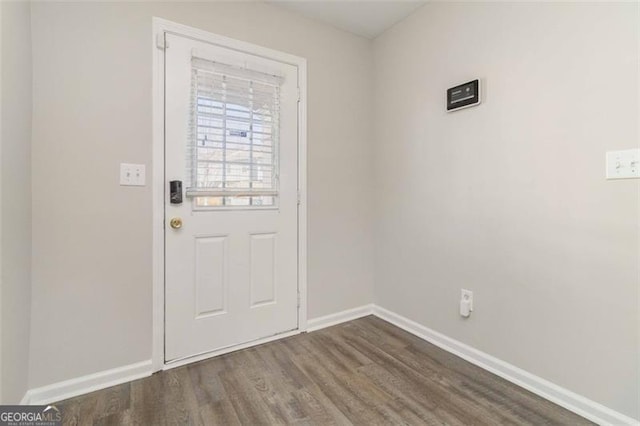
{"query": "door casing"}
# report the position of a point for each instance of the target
(159, 27)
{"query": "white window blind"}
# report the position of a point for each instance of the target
(233, 158)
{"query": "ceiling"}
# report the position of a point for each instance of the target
(362, 17)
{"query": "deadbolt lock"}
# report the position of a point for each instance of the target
(176, 223)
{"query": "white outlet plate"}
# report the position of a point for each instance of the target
(132, 174)
(623, 164)
(467, 294)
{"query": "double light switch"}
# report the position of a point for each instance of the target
(623, 164)
(132, 174)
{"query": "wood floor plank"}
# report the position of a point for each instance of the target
(363, 372)
(148, 400)
(320, 410)
(113, 400)
(476, 384)
(206, 382)
(219, 412)
(249, 392)
(343, 392)
(275, 389)
(488, 389)
(411, 385)
(181, 395)
(82, 410)
(310, 394)
(117, 418)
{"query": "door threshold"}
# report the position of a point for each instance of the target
(210, 354)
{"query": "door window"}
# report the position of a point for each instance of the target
(234, 140)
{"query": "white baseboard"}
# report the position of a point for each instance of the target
(85, 384)
(93, 382)
(580, 405)
(339, 317)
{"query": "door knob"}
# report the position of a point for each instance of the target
(176, 223)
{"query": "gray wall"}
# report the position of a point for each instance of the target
(92, 110)
(15, 200)
(509, 199)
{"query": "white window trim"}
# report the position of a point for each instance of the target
(159, 28)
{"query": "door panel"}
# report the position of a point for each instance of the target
(230, 270)
(263, 269)
(211, 275)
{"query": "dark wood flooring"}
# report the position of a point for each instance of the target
(364, 372)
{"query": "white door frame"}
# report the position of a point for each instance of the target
(161, 26)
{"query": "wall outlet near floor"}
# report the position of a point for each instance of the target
(466, 303)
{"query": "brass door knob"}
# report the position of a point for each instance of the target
(176, 223)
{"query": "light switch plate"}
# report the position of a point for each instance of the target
(623, 164)
(132, 174)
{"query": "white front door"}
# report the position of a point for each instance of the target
(231, 246)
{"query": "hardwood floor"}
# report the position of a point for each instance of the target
(365, 372)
